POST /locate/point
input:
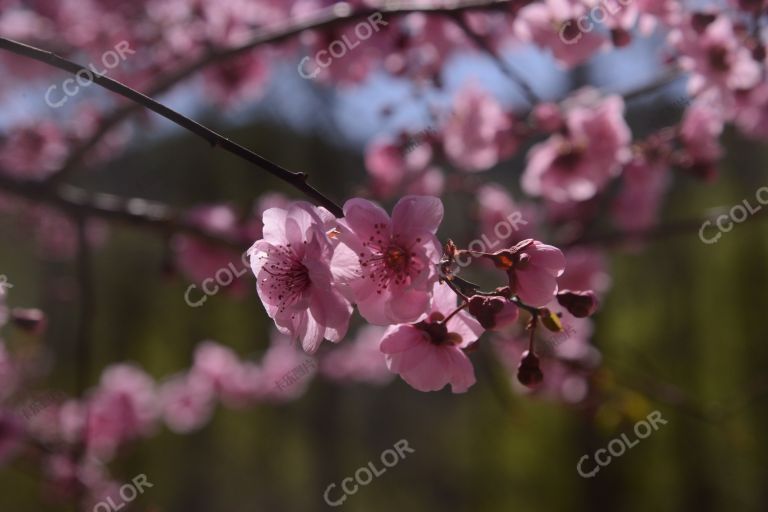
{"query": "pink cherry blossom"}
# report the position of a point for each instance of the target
(533, 269)
(552, 24)
(33, 152)
(715, 54)
(479, 132)
(122, 408)
(395, 166)
(286, 371)
(577, 164)
(235, 382)
(186, 402)
(429, 354)
(292, 267)
(388, 265)
(358, 361)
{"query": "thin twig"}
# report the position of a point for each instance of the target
(501, 63)
(135, 212)
(619, 237)
(296, 179)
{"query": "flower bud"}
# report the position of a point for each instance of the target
(528, 372)
(580, 304)
(493, 313)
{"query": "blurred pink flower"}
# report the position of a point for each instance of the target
(33, 152)
(479, 132)
(359, 360)
(200, 260)
(715, 54)
(285, 370)
(552, 25)
(121, 409)
(575, 165)
(398, 166)
(186, 402)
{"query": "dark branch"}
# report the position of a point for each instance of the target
(502, 64)
(136, 212)
(296, 179)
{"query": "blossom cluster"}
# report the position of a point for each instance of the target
(311, 269)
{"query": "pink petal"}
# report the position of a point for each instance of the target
(417, 214)
(535, 287)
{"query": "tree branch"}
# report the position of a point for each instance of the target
(296, 179)
(505, 67)
(137, 212)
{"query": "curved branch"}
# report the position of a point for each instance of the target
(136, 212)
(296, 179)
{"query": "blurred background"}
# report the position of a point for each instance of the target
(681, 330)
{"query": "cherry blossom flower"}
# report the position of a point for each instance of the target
(715, 54)
(479, 132)
(33, 152)
(402, 165)
(577, 164)
(533, 269)
(360, 360)
(429, 354)
(122, 408)
(286, 372)
(552, 24)
(388, 265)
(186, 402)
(292, 267)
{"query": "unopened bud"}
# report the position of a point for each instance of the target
(620, 37)
(528, 372)
(579, 304)
(493, 313)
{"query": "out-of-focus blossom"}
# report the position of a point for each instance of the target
(122, 408)
(479, 132)
(33, 152)
(552, 25)
(715, 54)
(186, 402)
(577, 164)
(359, 360)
